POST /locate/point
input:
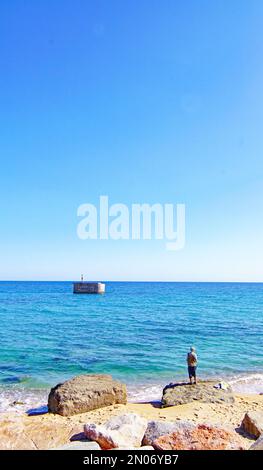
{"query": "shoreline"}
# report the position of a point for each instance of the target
(250, 384)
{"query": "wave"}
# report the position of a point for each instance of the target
(145, 393)
(247, 384)
(21, 400)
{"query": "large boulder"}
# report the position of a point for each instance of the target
(258, 445)
(155, 429)
(202, 437)
(253, 423)
(205, 392)
(125, 431)
(85, 393)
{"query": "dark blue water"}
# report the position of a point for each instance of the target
(138, 332)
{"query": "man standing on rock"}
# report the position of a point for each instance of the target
(192, 364)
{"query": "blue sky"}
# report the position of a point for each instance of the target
(144, 101)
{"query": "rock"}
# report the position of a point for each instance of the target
(258, 445)
(156, 429)
(13, 434)
(253, 423)
(20, 432)
(81, 445)
(146, 448)
(202, 437)
(134, 448)
(125, 430)
(84, 393)
(223, 385)
(181, 393)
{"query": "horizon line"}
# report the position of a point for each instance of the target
(133, 281)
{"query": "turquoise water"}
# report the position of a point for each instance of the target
(138, 332)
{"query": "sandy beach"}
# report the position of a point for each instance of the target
(48, 431)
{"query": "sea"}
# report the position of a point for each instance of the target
(139, 332)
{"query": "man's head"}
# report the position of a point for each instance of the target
(192, 349)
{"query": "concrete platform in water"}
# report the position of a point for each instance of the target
(88, 288)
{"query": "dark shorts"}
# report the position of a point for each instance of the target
(192, 371)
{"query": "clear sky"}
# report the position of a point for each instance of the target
(143, 101)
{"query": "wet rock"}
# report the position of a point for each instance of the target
(125, 430)
(202, 437)
(155, 429)
(85, 393)
(205, 392)
(253, 423)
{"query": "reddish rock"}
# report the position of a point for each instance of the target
(202, 437)
(156, 429)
